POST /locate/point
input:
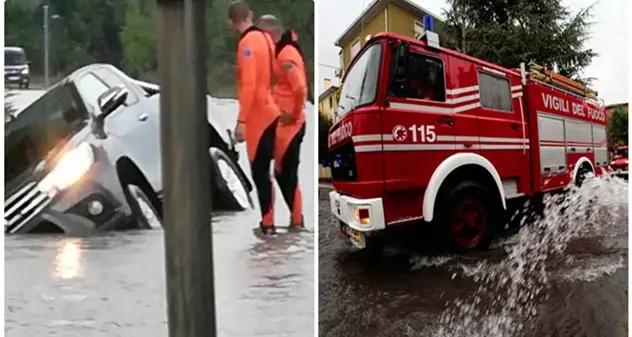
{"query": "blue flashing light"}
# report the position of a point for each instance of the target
(428, 23)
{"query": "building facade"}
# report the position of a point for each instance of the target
(327, 101)
(397, 16)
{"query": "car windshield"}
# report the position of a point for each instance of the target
(38, 129)
(621, 152)
(14, 58)
(360, 84)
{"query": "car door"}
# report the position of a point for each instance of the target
(419, 121)
(135, 129)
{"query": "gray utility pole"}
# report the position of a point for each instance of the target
(186, 168)
(46, 26)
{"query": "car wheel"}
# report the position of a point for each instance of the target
(469, 217)
(229, 190)
(143, 212)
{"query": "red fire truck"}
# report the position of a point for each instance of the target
(427, 134)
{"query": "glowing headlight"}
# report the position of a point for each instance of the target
(25, 71)
(69, 169)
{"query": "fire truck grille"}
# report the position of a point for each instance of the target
(343, 164)
(22, 206)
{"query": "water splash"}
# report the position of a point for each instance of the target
(509, 291)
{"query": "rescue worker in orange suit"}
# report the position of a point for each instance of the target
(290, 94)
(258, 113)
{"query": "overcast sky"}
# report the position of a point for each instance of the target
(609, 39)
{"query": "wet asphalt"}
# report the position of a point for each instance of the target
(113, 284)
(409, 288)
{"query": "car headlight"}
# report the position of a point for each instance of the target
(68, 170)
(25, 71)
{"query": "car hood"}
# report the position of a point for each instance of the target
(220, 114)
(15, 67)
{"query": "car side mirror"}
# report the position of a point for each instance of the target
(108, 102)
(111, 100)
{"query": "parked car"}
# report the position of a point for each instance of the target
(619, 162)
(16, 67)
(85, 157)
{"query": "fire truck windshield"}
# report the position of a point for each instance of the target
(360, 85)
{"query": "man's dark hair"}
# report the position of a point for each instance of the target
(238, 11)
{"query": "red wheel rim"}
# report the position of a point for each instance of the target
(469, 222)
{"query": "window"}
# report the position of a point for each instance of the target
(495, 92)
(113, 80)
(418, 29)
(341, 60)
(90, 88)
(39, 128)
(360, 84)
(14, 57)
(425, 80)
(355, 48)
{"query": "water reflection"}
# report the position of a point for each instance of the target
(69, 261)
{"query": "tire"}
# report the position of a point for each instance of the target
(229, 190)
(581, 175)
(469, 216)
(144, 213)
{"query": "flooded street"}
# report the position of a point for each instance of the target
(559, 276)
(114, 284)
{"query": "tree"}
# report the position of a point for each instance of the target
(618, 126)
(123, 33)
(508, 32)
(324, 124)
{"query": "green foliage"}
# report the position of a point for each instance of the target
(323, 134)
(124, 33)
(618, 126)
(508, 32)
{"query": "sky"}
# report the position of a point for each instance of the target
(609, 38)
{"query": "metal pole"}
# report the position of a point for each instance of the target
(186, 168)
(46, 23)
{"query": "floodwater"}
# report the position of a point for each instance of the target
(559, 276)
(114, 284)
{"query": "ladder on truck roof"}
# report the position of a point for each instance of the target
(542, 74)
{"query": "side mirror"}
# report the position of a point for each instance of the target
(111, 100)
(401, 61)
(399, 69)
(108, 102)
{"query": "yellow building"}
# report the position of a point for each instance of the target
(327, 101)
(396, 16)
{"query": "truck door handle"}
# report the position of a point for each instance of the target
(572, 149)
(142, 117)
(515, 126)
(588, 149)
(446, 120)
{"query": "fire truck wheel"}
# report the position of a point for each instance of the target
(583, 171)
(469, 216)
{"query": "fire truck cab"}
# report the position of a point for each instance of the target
(427, 134)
